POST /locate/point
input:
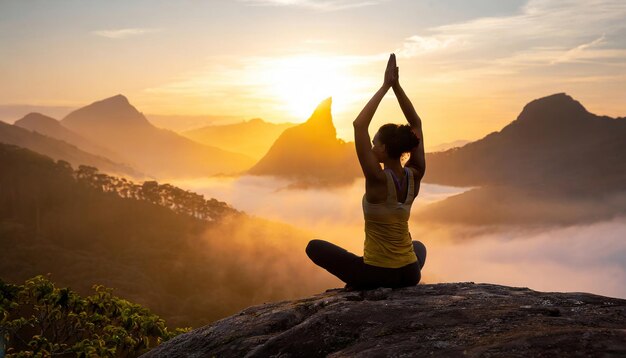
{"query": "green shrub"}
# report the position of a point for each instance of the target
(38, 319)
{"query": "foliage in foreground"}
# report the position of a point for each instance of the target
(38, 319)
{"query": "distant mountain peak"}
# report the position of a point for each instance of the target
(115, 110)
(117, 101)
(35, 117)
(559, 105)
(118, 98)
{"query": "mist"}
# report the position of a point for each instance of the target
(582, 258)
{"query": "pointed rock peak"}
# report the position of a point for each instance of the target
(322, 118)
(322, 110)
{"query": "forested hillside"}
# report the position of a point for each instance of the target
(188, 259)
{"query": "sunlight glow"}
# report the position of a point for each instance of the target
(299, 83)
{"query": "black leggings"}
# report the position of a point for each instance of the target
(351, 269)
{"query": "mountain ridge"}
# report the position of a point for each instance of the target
(252, 138)
(558, 163)
(59, 149)
(117, 125)
(551, 132)
(115, 108)
(51, 127)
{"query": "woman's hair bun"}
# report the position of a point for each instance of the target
(398, 139)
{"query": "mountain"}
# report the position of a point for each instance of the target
(181, 122)
(50, 127)
(58, 149)
(9, 112)
(556, 164)
(435, 320)
(554, 141)
(311, 153)
(115, 124)
(445, 146)
(252, 138)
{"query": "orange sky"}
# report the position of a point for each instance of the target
(468, 68)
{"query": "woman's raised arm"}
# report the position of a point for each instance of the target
(367, 159)
(418, 158)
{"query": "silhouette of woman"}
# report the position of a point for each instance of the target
(390, 257)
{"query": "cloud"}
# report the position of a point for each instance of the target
(321, 5)
(123, 33)
(577, 51)
(544, 33)
(589, 258)
(581, 258)
(417, 45)
(547, 46)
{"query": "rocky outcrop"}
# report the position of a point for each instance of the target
(441, 320)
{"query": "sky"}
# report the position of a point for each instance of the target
(469, 67)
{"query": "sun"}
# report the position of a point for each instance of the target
(299, 83)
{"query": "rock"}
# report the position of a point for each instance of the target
(440, 320)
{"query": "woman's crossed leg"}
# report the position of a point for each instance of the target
(351, 269)
(336, 260)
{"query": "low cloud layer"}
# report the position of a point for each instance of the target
(589, 258)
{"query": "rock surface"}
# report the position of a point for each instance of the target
(441, 320)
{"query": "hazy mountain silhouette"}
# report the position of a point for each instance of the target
(448, 145)
(58, 149)
(52, 128)
(114, 123)
(553, 140)
(252, 138)
(185, 122)
(311, 153)
(9, 112)
(555, 163)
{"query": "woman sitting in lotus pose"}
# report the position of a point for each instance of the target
(390, 257)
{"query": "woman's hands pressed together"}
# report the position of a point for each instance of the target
(391, 73)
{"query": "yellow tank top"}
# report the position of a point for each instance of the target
(388, 242)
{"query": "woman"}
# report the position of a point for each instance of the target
(390, 258)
